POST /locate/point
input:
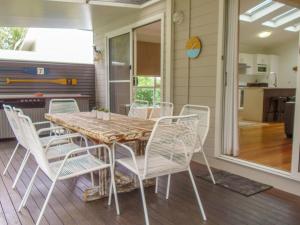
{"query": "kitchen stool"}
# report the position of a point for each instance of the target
(272, 109)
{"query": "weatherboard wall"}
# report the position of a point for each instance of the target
(84, 73)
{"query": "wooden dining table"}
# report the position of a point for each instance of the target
(119, 128)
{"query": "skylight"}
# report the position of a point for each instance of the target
(260, 10)
(294, 28)
(283, 18)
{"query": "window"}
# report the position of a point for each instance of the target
(147, 88)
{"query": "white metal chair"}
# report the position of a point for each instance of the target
(77, 162)
(13, 121)
(67, 105)
(161, 109)
(139, 109)
(63, 106)
(169, 150)
(56, 147)
(204, 114)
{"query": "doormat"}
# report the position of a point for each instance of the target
(241, 185)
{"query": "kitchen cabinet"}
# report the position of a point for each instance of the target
(262, 59)
(262, 64)
(259, 64)
(247, 59)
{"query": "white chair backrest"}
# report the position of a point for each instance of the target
(139, 109)
(33, 143)
(173, 138)
(161, 109)
(204, 120)
(63, 106)
(12, 116)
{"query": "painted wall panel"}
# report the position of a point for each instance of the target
(84, 73)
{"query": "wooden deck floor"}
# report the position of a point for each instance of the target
(222, 206)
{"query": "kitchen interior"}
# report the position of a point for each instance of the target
(268, 59)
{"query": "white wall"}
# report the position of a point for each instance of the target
(288, 58)
(288, 54)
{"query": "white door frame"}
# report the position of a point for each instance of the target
(294, 174)
(296, 138)
(129, 29)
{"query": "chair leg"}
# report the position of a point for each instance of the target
(27, 193)
(156, 185)
(92, 179)
(113, 185)
(197, 194)
(208, 167)
(144, 201)
(110, 193)
(45, 203)
(11, 157)
(168, 186)
(21, 168)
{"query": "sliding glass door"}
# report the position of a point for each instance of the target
(261, 88)
(119, 73)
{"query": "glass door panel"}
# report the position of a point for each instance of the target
(119, 73)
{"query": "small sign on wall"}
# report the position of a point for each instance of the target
(40, 71)
(193, 47)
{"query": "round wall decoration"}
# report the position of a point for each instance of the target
(193, 47)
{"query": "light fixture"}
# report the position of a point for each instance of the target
(294, 28)
(283, 18)
(260, 10)
(178, 17)
(98, 54)
(264, 34)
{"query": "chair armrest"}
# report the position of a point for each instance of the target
(65, 137)
(129, 150)
(43, 130)
(41, 123)
(81, 150)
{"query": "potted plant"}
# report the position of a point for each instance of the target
(106, 114)
(98, 112)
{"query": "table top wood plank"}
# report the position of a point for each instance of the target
(118, 128)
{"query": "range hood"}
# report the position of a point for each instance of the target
(243, 67)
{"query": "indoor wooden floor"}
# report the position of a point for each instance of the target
(221, 205)
(266, 145)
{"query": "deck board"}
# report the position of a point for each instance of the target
(66, 207)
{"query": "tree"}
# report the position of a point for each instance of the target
(10, 36)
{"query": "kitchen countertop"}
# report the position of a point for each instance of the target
(45, 96)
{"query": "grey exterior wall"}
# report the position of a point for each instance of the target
(84, 73)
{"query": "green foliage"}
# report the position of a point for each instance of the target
(145, 89)
(9, 36)
(145, 81)
(144, 94)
